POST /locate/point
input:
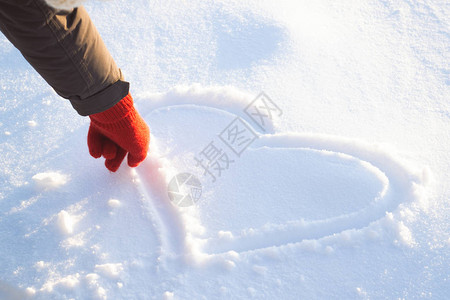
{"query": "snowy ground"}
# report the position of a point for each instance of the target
(343, 194)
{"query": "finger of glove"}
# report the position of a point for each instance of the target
(114, 163)
(109, 150)
(95, 140)
(139, 152)
(135, 159)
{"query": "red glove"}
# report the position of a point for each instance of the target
(116, 132)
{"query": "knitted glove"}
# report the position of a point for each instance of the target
(116, 132)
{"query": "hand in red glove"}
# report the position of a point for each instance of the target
(116, 132)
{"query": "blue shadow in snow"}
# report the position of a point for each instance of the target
(245, 40)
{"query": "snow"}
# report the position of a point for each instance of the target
(342, 194)
(65, 222)
(110, 270)
(114, 203)
(49, 180)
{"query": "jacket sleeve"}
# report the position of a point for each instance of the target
(65, 48)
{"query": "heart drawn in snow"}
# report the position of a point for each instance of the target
(284, 188)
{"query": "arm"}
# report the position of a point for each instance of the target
(65, 48)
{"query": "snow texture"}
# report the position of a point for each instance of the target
(340, 191)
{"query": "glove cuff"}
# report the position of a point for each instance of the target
(121, 115)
